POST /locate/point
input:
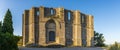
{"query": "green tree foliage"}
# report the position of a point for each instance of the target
(99, 39)
(115, 46)
(7, 23)
(0, 26)
(7, 40)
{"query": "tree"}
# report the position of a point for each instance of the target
(0, 26)
(115, 46)
(8, 42)
(99, 39)
(7, 23)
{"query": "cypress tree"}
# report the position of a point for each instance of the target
(7, 40)
(7, 23)
(0, 26)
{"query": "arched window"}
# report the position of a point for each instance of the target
(38, 13)
(69, 15)
(52, 11)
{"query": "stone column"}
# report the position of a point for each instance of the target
(76, 29)
(62, 34)
(25, 26)
(31, 26)
(92, 30)
(23, 29)
(42, 34)
(89, 30)
(61, 26)
(42, 31)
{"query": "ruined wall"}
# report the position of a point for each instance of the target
(72, 28)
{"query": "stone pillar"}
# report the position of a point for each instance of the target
(31, 26)
(89, 30)
(62, 34)
(42, 31)
(92, 30)
(25, 26)
(61, 26)
(42, 34)
(76, 29)
(23, 29)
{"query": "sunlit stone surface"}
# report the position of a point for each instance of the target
(43, 26)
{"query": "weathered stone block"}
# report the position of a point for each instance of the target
(57, 26)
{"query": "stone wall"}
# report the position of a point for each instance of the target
(72, 28)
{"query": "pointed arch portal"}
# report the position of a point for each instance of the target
(50, 31)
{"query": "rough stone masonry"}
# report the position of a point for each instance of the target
(43, 26)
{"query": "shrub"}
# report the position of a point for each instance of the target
(115, 46)
(8, 42)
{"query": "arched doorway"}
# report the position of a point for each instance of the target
(51, 36)
(50, 31)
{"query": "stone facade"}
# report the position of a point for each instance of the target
(44, 26)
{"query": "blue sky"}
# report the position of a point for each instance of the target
(106, 13)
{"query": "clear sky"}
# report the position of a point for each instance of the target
(106, 13)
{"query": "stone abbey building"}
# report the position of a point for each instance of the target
(43, 26)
